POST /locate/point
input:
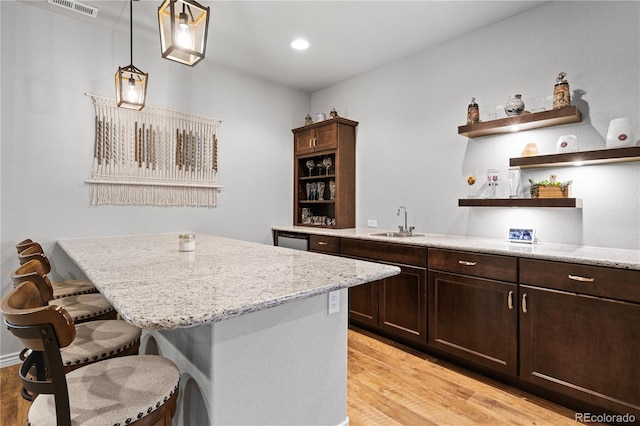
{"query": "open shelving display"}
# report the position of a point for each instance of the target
(521, 202)
(613, 155)
(534, 120)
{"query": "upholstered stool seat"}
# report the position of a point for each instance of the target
(86, 307)
(82, 307)
(130, 388)
(98, 340)
(127, 390)
(62, 288)
(72, 288)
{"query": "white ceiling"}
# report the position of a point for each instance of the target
(347, 37)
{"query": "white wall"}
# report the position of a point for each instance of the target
(408, 149)
(409, 152)
(48, 125)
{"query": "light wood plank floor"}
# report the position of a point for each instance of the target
(389, 384)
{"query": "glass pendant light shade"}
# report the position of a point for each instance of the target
(131, 83)
(183, 30)
(131, 87)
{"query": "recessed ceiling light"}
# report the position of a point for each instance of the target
(300, 44)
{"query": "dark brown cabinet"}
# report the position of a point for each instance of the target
(568, 332)
(324, 174)
(395, 306)
(324, 244)
(402, 305)
(577, 337)
(315, 137)
(363, 304)
(472, 315)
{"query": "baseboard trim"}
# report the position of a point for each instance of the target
(345, 422)
(10, 359)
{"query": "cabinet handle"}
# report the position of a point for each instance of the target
(510, 300)
(311, 143)
(524, 303)
(466, 263)
(315, 142)
(581, 279)
(322, 243)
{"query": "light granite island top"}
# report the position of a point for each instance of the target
(244, 322)
(586, 255)
(157, 287)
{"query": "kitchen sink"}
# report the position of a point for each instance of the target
(396, 234)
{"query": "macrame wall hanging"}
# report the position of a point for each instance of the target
(153, 157)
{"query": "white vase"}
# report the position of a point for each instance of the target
(619, 134)
(514, 106)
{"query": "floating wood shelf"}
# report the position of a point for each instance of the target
(535, 120)
(520, 202)
(615, 155)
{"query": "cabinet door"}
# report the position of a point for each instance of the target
(303, 141)
(326, 137)
(403, 304)
(363, 304)
(475, 319)
(582, 346)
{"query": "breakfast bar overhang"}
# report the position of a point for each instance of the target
(247, 324)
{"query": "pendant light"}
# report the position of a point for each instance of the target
(131, 83)
(184, 25)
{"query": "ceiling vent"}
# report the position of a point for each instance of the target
(76, 6)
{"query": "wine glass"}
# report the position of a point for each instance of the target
(332, 189)
(320, 191)
(471, 181)
(310, 165)
(327, 163)
(319, 166)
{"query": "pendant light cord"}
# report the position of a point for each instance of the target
(131, 29)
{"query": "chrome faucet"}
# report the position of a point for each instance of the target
(406, 229)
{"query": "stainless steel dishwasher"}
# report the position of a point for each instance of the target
(292, 240)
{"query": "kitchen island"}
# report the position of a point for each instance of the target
(247, 324)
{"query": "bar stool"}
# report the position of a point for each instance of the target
(132, 390)
(95, 340)
(63, 288)
(24, 244)
(82, 307)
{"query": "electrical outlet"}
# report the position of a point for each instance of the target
(372, 223)
(334, 301)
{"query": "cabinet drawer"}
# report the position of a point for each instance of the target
(323, 244)
(388, 252)
(621, 284)
(503, 268)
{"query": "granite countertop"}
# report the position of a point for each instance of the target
(597, 256)
(155, 286)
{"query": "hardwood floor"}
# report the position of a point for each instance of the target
(13, 410)
(389, 384)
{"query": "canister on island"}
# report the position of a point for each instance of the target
(187, 242)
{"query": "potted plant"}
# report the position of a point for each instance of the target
(551, 188)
